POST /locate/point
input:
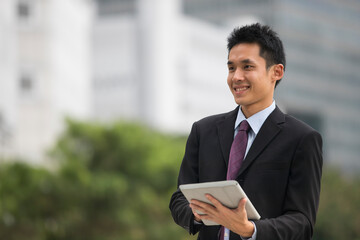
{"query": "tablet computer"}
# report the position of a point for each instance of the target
(229, 193)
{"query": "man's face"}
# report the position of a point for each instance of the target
(249, 81)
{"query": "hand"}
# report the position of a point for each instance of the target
(234, 219)
(195, 214)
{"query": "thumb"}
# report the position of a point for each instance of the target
(242, 203)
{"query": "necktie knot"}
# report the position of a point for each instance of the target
(244, 126)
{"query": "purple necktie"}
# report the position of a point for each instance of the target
(237, 153)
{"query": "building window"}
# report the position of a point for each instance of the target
(5, 136)
(23, 10)
(26, 83)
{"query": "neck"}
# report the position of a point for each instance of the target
(248, 111)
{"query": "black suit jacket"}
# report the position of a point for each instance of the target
(281, 174)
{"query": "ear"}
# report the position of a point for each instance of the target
(278, 72)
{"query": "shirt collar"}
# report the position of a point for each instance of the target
(256, 120)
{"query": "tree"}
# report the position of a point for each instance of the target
(112, 182)
(339, 210)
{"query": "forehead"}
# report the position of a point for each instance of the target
(245, 51)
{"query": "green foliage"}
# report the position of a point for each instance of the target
(339, 210)
(112, 182)
(115, 182)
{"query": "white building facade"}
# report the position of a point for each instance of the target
(8, 74)
(155, 66)
(46, 75)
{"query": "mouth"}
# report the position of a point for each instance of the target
(240, 89)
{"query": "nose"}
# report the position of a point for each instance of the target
(238, 75)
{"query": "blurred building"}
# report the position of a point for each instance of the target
(146, 63)
(164, 62)
(8, 73)
(45, 72)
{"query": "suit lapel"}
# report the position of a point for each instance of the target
(226, 133)
(267, 133)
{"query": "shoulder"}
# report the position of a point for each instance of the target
(297, 125)
(292, 126)
(209, 126)
(301, 130)
(215, 119)
(289, 122)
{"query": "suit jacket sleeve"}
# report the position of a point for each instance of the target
(302, 197)
(179, 206)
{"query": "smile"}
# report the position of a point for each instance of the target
(240, 89)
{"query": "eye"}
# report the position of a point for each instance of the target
(231, 68)
(248, 67)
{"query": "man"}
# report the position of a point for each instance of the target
(281, 169)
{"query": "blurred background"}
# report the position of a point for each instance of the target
(97, 98)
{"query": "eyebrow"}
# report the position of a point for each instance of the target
(247, 60)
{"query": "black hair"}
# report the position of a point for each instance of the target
(271, 47)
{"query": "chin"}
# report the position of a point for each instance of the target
(239, 102)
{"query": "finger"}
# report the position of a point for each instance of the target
(198, 211)
(198, 217)
(195, 207)
(201, 204)
(214, 201)
(203, 208)
(196, 202)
